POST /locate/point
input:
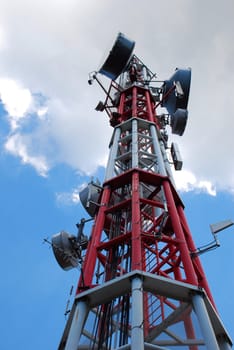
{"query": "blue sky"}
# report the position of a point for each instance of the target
(34, 288)
(52, 140)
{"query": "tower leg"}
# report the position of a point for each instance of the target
(137, 336)
(113, 154)
(77, 325)
(224, 344)
(205, 323)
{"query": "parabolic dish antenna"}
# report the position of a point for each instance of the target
(67, 257)
(179, 84)
(118, 58)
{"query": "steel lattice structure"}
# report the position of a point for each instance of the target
(141, 285)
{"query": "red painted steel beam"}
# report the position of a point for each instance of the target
(91, 254)
(136, 224)
(185, 254)
(196, 261)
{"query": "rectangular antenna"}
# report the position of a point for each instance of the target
(175, 153)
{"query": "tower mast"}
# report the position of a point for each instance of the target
(141, 285)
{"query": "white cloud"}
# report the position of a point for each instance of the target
(20, 104)
(16, 145)
(186, 181)
(16, 100)
(208, 187)
(41, 112)
(70, 198)
(65, 198)
(2, 39)
(61, 42)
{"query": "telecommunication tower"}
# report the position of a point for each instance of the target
(141, 283)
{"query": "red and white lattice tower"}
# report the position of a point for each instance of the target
(141, 284)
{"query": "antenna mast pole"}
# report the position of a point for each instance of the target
(141, 286)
